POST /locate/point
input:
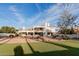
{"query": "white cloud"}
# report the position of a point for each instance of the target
(13, 8)
(54, 12)
(48, 15)
(38, 7)
(19, 16)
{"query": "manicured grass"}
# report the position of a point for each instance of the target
(60, 48)
(46, 47)
(8, 49)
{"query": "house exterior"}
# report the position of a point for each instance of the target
(76, 30)
(42, 30)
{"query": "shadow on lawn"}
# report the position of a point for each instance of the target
(18, 51)
(34, 52)
(70, 52)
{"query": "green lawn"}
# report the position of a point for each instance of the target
(60, 48)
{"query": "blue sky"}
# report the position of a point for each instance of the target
(30, 14)
(19, 15)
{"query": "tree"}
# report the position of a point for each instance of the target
(67, 31)
(7, 29)
(66, 22)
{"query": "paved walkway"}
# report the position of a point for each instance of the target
(23, 40)
(15, 40)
